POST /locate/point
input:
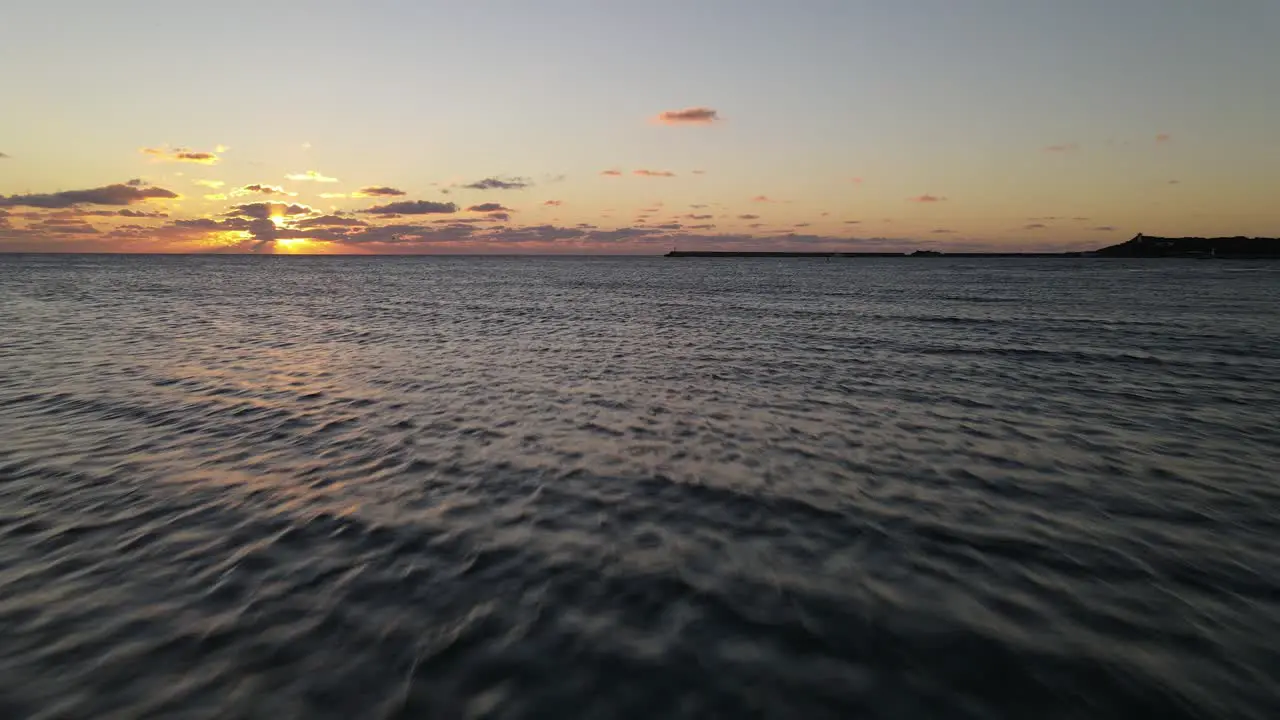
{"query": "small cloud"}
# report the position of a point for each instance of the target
(927, 199)
(310, 176)
(221, 149)
(802, 225)
(693, 216)
(494, 183)
(1080, 219)
(748, 216)
(611, 173)
(489, 207)
(260, 189)
(1063, 148)
(502, 216)
(211, 184)
(653, 173)
(377, 191)
(1163, 138)
(699, 172)
(413, 207)
(702, 227)
(688, 116)
(306, 146)
(856, 181)
(553, 203)
(164, 154)
(1105, 228)
(1175, 182)
(265, 210)
(852, 222)
(756, 225)
(3, 156)
(119, 194)
(1035, 226)
(762, 199)
(216, 196)
(943, 231)
(333, 196)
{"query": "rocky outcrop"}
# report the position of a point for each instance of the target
(1219, 247)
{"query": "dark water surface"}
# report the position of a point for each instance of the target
(593, 488)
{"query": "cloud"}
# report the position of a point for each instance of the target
(692, 216)
(1105, 228)
(611, 173)
(688, 116)
(856, 181)
(503, 216)
(377, 191)
(141, 214)
(216, 196)
(212, 184)
(181, 154)
(260, 189)
(927, 199)
(413, 207)
(332, 196)
(118, 194)
(1063, 148)
(653, 173)
(762, 199)
(310, 176)
(1175, 182)
(702, 227)
(489, 207)
(699, 172)
(553, 203)
(329, 221)
(493, 183)
(748, 216)
(1163, 138)
(852, 222)
(942, 231)
(3, 156)
(266, 210)
(1035, 226)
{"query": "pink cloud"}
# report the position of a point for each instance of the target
(762, 199)
(553, 203)
(653, 173)
(927, 199)
(688, 116)
(856, 181)
(1163, 138)
(611, 173)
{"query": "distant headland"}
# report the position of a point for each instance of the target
(1141, 246)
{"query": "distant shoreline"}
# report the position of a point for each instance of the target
(1141, 246)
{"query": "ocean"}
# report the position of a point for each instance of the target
(310, 487)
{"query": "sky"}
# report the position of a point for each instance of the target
(615, 126)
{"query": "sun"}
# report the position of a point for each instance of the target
(277, 220)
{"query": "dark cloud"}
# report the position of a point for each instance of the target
(4, 156)
(1035, 226)
(942, 231)
(692, 216)
(500, 216)
(413, 207)
(330, 221)
(266, 210)
(1163, 138)
(377, 191)
(611, 173)
(688, 116)
(489, 207)
(927, 199)
(261, 189)
(702, 227)
(1105, 228)
(182, 155)
(553, 203)
(141, 213)
(653, 173)
(119, 194)
(1063, 148)
(852, 222)
(494, 183)
(763, 199)
(748, 216)
(1175, 182)
(699, 172)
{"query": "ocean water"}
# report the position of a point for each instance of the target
(280, 487)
